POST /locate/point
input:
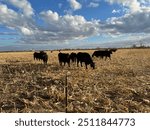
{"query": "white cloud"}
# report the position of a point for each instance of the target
(134, 21)
(137, 22)
(57, 29)
(16, 21)
(115, 11)
(75, 5)
(8, 17)
(68, 27)
(26, 31)
(93, 4)
(24, 5)
(51, 16)
(133, 5)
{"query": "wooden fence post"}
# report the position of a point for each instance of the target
(66, 94)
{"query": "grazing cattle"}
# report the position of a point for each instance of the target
(86, 58)
(65, 58)
(45, 58)
(73, 57)
(102, 54)
(41, 56)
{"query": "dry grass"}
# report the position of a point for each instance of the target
(118, 85)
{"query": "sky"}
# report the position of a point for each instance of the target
(58, 24)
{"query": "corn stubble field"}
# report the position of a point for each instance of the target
(118, 85)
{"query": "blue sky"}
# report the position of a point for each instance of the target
(55, 24)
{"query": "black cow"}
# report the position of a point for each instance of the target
(65, 58)
(41, 56)
(86, 58)
(73, 57)
(45, 58)
(102, 54)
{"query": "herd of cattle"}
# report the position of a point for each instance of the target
(80, 57)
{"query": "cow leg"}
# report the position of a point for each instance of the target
(45, 62)
(75, 60)
(77, 63)
(86, 65)
(69, 64)
(81, 64)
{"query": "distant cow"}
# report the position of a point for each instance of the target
(73, 57)
(41, 56)
(86, 58)
(64, 57)
(102, 54)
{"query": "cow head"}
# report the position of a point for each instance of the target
(93, 65)
(93, 54)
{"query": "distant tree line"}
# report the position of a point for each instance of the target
(140, 46)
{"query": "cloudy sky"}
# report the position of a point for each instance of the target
(54, 24)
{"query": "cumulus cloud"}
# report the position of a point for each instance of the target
(75, 5)
(57, 29)
(26, 31)
(14, 20)
(50, 16)
(134, 21)
(130, 23)
(8, 16)
(133, 5)
(68, 26)
(24, 5)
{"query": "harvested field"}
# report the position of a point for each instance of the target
(118, 85)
